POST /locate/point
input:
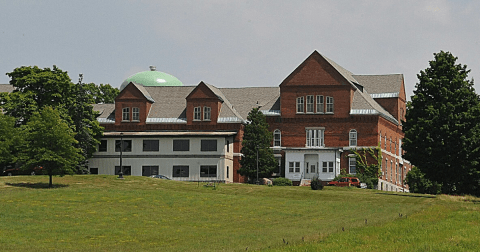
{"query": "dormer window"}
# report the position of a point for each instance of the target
(135, 114)
(329, 105)
(207, 115)
(197, 113)
(300, 105)
(126, 114)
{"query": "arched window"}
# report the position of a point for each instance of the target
(353, 137)
(277, 138)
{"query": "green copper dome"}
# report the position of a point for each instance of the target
(152, 78)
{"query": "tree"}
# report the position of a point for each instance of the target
(103, 93)
(442, 127)
(8, 138)
(368, 172)
(417, 182)
(49, 143)
(36, 88)
(257, 138)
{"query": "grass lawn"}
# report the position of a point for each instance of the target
(102, 213)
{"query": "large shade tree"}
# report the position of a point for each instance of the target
(8, 139)
(36, 88)
(442, 127)
(257, 137)
(49, 142)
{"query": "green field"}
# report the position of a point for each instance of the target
(102, 213)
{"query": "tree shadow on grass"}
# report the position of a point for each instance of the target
(409, 195)
(39, 185)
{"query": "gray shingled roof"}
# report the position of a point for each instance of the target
(244, 99)
(169, 102)
(145, 93)
(381, 84)
(363, 104)
(6, 88)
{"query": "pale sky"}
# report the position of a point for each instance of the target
(235, 43)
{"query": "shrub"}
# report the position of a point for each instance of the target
(282, 182)
(316, 184)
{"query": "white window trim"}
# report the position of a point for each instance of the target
(352, 136)
(135, 113)
(126, 111)
(320, 106)
(302, 99)
(329, 101)
(207, 111)
(318, 137)
(197, 111)
(293, 165)
(311, 104)
(279, 138)
(350, 160)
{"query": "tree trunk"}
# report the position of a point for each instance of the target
(50, 182)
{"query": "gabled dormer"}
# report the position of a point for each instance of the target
(318, 87)
(132, 105)
(204, 104)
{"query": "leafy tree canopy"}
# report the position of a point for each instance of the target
(36, 88)
(103, 93)
(49, 142)
(257, 136)
(442, 128)
(8, 138)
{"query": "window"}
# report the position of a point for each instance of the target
(208, 171)
(279, 165)
(391, 170)
(127, 146)
(102, 147)
(400, 147)
(353, 137)
(126, 114)
(329, 104)
(181, 145)
(197, 113)
(293, 167)
(309, 103)
(180, 171)
(127, 170)
(300, 108)
(277, 137)
(314, 137)
(320, 104)
(352, 165)
(94, 171)
(380, 139)
(228, 172)
(312, 168)
(207, 113)
(228, 146)
(149, 170)
(135, 114)
(385, 141)
(327, 167)
(390, 145)
(209, 145)
(150, 145)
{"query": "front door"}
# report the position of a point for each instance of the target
(310, 170)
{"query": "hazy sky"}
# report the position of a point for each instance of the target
(235, 43)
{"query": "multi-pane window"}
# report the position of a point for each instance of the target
(127, 170)
(149, 170)
(180, 171)
(102, 147)
(314, 137)
(209, 145)
(329, 104)
(135, 114)
(208, 171)
(277, 138)
(327, 167)
(126, 114)
(300, 105)
(310, 103)
(400, 147)
(352, 165)
(391, 170)
(181, 145)
(320, 104)
(293, 167)
(207, 113)
(127, 145)
(385, 141)
(353, 137)
(197, 113)
(150, 145)
(93, 170)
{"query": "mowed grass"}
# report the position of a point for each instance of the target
(102, 213)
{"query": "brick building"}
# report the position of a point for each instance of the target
(317, 115)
